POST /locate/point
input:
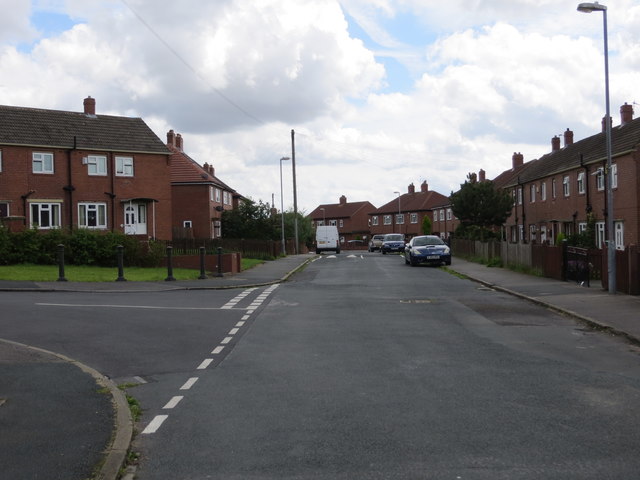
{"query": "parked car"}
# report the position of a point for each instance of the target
(375, 243)
(392, 242)
(427, 249)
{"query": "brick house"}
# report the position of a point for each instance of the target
(351, 218)
(199, 197)
(406, 213)
(444, 221)
(62, 169)
(559, 191)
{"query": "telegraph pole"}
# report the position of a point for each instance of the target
(295, 192)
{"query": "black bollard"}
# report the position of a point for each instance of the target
(203, 274)
(219, 274)
(120, 254)
(169, 265)
(61, 277)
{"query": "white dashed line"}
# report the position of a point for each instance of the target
(173, 402)
(154, 425)
(240, 324)
(226, 340)
(217, 350)
(189, 383)
(233, 331)
(205, 363)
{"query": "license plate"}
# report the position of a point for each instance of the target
(433, 257)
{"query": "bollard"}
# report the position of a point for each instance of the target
(169, 265)
(203, 274)
(120, 254)
(219, 274)
(61, 277)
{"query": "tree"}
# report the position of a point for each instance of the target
(250, 220)
(480, 207)
(426, 226)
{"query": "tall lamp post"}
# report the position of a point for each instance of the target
(324, 216)
(399, 210)
(611, 243)
(284, 251)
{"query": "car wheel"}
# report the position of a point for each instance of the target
(406, 262)
(413, 262)
(384, 252)
(448, 262)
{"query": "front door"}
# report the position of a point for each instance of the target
(135, 219)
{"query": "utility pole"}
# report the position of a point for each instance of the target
(295, 192)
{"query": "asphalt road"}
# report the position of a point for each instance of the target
(359, 367)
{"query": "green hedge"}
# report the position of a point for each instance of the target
(82, 247)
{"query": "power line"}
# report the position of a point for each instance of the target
(189, 67)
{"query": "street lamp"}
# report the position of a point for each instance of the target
(611, 244)
(398, 217)
(284, 251)
(324, 217)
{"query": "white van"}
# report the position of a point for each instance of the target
(327, 238)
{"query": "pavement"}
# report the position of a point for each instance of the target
(617, 314)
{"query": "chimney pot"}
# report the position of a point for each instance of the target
(481, 175)
(626, 114)
(343, 200)
(604, 123)
(412, 188)
(424, 187)
(555, 143)
(568, 137)
(89, 105)
(179, 142)
(171, 138)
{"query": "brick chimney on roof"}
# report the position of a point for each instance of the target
(626, 114)
(568, 137)
(555, 143)
(89, 106)
(179, 142)
(604, 123)
(171, 138)
(412, 188)
(517, 160)
(424, 187)
(343, 200)
(481, 175)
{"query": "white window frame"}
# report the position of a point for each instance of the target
(618, 228)
(582, 227)
(533, 230)
(187, 224)
(532, 193)
(554, 191)
(614, 175)
(581, 184)
(414, 218)
(217, 195)
(333, 223)
(374, 220)
(320, 223)
(519, 195)
(97, 210)
(124, 167)
(566, 186)
(54, 211)
(97, 165)
(600, 237)
(341, 223)
(543, 191)
(386, 220)
(42, 162)
(449, 214)
(600, 179)
(442, 215)
(400, 219)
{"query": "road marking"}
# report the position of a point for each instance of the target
(173, 402)
(246, 317)
(233, 331)
(140, 380)
(147, 307)
(217, 350)
(226, 340)
(154, 425)
(240, 324)
(189, 383)
(205, 363)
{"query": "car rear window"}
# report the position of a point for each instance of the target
(393, 238)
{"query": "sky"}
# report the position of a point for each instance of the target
(380, 93)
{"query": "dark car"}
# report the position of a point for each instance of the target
(429, 249)
(392, 242)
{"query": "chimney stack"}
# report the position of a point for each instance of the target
(412, 188)
(89, 105)
(424, 187)
(604, 123)
(343, 200)
(626, 114)
(555, 143)
(568, 137)
(171, 138)
(179, 142)
(517, 160)
(481, 175)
